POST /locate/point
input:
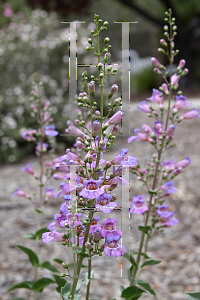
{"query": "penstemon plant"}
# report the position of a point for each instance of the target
(89, 180)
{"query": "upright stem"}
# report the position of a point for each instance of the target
(80, 261)
(89, 275)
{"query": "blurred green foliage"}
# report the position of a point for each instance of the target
(144, 81)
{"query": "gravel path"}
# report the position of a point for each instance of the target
(178, 247)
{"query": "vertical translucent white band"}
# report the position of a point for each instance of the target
(126, 77)
(72, 68)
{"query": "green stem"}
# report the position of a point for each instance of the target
(80, 261)
(89, 276)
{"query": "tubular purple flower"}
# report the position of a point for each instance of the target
(20, 193)
(169, 187)
(50, 131)
(28, 169)
(113, 248)
(142, 137)
(147, 129)
(116, 118)
(52, 236)
(94, 225)
(138, 206)
(109, 228)
(115, 129)
(91, 190)
(104, 204)
(156, 97)
(191, 114)
(170, 130)
(49, 193)
(165, 88)
(180, 103)
(183, 163)
(155, 62)
(144, 107)
(74, 131)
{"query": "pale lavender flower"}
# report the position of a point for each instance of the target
(138, 206)
(113, 248)
(104, 204)
(156, 97)
(52, 236)
(91, 189)
(180, 103)
(109, 228)
(50, 131)
(169, 187)
(191, 114)
(144, 107)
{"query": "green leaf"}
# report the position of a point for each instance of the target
(60, 282)
(151, 262)
(79, 284)
(143, 254)
(39, 211)
(145, 229)
(29, 236)
(122, 288)
(23, 285)
(71, 265)
(18, 299)
(32, 256)
(65, 291)
(132, 293)
(40, 284)
(47, 265)
(193, 296)
(38, 234)
(130, 257)
(86, 277)
(58, 260)
(147, 286)
(83, 254)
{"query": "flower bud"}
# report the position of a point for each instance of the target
(185, 71)
(117, 101)
(91, 86)
(106, 57)
(181, 64)
(155, 62)
(115, 129)
(163, 42)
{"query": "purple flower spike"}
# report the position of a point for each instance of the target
(91, 190)
(138, 206)
(50, 131)
(104, 204)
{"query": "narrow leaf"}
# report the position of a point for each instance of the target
(151, 262)
(32, 256)
(40, 284)
(23, 285)
(29, 236)
(87, 280)
(38, 234)
(47, 265)
(18, 299)
(58, 260)
(193, 296)
(130, 257)
(143, 254)
(39, 211)
(78, 287)
(147, 286)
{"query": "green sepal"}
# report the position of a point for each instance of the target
(146, 286)
(40, 284)
(132, 293)
(38, 234)
(193, 296)
(32, 256)
(29, 236)
(65, 291)
(145, 229)
(60, 282)
(86, 277)
(39, 211)
(152, 192)
(150, 263)
(130, 257)
(24, 285)
(83, 254)
(47, 265)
